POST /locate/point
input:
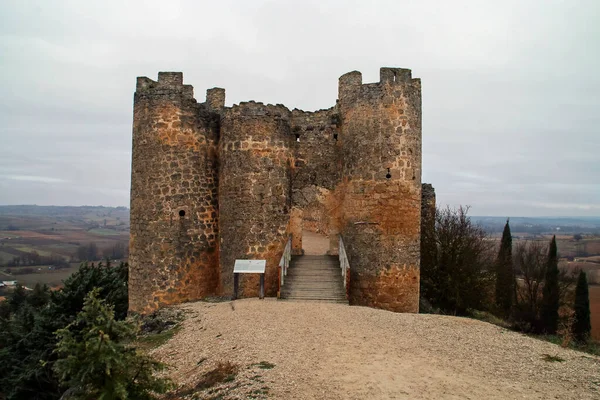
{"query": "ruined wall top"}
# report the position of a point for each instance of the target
(351, 88)
(170, 86)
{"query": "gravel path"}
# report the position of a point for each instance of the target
(334, 351)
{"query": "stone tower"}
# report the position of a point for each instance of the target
(174, 219)
(211, 184)
(253, 191)
(381, 187)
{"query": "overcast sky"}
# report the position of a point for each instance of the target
(511, 89)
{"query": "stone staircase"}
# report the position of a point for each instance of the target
(317, 278)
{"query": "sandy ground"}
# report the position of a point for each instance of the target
(334, 351)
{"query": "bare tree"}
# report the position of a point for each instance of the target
(457, 276)
(530, 264)
(531, 261)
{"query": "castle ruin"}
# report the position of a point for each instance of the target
(211, 184)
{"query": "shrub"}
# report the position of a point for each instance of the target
(582, 326)
(28, 322)
(96, 360)
(505, 276)
(551, 292)
(456, 277)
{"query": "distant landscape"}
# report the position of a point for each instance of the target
(45, 244)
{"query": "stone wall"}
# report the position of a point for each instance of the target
(254, 191)
(381, 188)
(316, 167)
(173, 243)
(212, 184)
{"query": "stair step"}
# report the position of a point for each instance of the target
(336, 299)
(325, 284)
(313, 296)
(314, 278)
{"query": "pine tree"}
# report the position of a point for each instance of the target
(96, 360)
(505, 276)
(582, 325)
(17, 298)
(550, 294)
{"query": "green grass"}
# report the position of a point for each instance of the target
(30, 249)
(45, 276)
(10, 234)
(486, 316)
(591, 347)
(154, 340)
(6, 256)
(264, 365)
(224, 372)
(549, 358)
(105, 232)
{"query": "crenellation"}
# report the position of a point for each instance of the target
(394, 75)
(215, 99)
(144, 83)
(212, 183)
(170, 78)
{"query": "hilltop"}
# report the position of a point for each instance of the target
(301, 350)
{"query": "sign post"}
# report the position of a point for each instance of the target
(249, 267)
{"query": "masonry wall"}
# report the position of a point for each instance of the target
(316, 170)
(173, 242)
(381, 188)
(212, 184)
(254, 192)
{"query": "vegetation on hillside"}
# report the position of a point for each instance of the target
(96, 359)
(33, 367)
(550, 294)
(582, 325)
(456, 276)
(505, 274)
(523, 287)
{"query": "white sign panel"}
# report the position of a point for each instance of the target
(249, 266)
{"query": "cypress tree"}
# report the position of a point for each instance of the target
(505, 277)
(582, 325)
(550, 294)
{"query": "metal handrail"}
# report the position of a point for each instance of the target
(284, 263)
(344, 264)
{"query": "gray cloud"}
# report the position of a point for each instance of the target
(511, 90)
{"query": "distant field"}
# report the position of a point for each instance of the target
(51, 278)
(567, 246)
(57, 233)
(110, 232)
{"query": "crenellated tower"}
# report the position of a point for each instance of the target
(174, 219)
(381, 187)
(254, 191)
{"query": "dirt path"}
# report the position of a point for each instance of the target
(314, 244)
(333, 351)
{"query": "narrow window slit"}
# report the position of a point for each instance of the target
(388, 175)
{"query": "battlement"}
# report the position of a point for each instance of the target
(394, 75)
(215, 99)
(167, 85)
(350, 85)
(258, 109)
(170, 78)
